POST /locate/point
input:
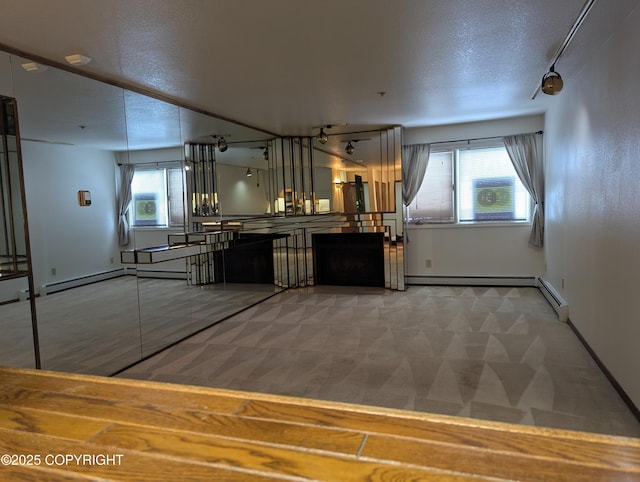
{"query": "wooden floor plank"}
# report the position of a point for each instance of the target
(608, 451)
(196, 398)
(38, 474)
(101, 412)
(131, 466)
(490, 463)
(262, 458)
(59, 425)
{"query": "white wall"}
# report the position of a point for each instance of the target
(74, 240)
(593, 202)
(484, 251)
(472, 250)
(239, 194)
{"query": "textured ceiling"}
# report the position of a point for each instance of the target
(286, 66)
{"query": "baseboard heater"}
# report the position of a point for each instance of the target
(471, 280)
(553, 297)
(80, 281)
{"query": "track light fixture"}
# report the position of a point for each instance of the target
(349, 149)
(249, 173)
(221, 144)
(322, 138)
(552, 82)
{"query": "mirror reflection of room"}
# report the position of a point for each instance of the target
(172, 174)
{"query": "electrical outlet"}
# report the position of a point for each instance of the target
(428, 263)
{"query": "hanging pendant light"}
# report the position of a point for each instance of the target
(350, 149)
(322, 138)
(222, 145)
(552, 82)
(249, 173)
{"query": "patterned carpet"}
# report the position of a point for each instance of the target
(487, 353)
(103, 327)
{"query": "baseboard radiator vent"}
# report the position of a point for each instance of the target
(50, 288)
(470, 280)
(555, 300)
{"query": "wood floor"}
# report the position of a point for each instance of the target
(83, 427)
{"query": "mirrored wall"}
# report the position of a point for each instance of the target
(222, 216)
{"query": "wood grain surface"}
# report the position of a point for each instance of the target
(56, 426)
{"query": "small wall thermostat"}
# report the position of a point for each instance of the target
(84, 198)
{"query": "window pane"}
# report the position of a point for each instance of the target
(489, 188)
(434, 201)
(176, 197)
(149, 198)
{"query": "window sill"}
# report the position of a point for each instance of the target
(157, 228)
(485, 224)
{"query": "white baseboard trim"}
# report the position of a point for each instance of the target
(80, 281)
(558, 303)
(471, 280)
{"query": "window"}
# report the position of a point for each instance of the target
(157, 197)
(470, 185)
(434, 201)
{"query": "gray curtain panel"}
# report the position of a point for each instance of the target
(527, 161)
(124, 199)
(415, 158)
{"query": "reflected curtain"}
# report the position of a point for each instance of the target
(124, 200)
(527, 161)
(415, 158)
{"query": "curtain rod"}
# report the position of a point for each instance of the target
(176, 161)
(476, 139)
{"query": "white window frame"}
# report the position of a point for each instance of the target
(455, 148)
(170, 220)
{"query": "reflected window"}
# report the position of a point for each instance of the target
(157, 197)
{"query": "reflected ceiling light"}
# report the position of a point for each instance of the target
(77, 59)
(552, 82)
(322, 138)
(350, 149)
(222, 144)
(249, 173)
(33, 67)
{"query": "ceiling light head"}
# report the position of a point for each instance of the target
(350, 149)
(322, 138)
(265, 154)
(249, 173)
(552, 82)
(77, 59)
(222, 144)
